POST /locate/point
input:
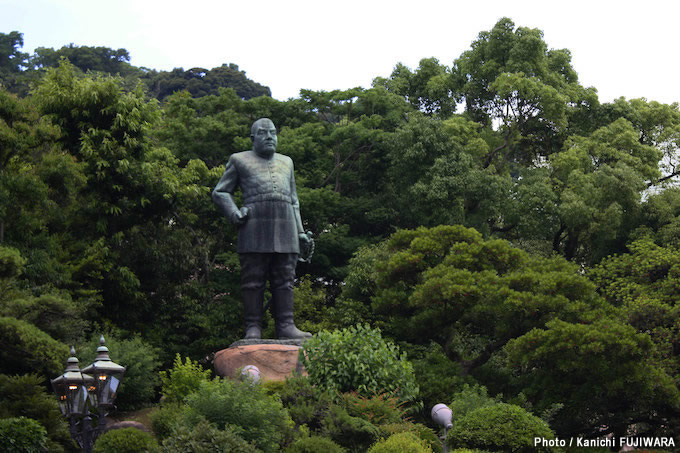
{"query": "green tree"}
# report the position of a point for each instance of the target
(203, 82)
(643, 283)
(428, 88)
(657, 124)
(85, 58)
(509, 76)
(26, 396)
(436, 175)
(600, 180)
(602, 373)
(448, 285)
(13, 62)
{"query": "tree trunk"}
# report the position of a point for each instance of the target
(571, 247)
(338, 163)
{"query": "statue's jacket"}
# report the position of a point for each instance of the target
(268, 189)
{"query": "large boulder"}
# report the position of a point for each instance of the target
(275, 361)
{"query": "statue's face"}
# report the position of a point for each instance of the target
(264, 138)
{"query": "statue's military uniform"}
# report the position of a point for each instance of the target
(268, 187)
(268, 241)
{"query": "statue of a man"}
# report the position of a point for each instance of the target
(270, 233)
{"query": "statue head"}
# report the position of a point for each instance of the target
(263, 135)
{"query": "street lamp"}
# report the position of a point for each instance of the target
(78, 392)
(107, 376)
(251, 374)
(442, 415)
(71, 388)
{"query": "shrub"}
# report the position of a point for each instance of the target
(11, 263)
(125, 440)
(165, 420)
(314, 444)
(182, 379)
(358, 358)
(498, 427)
(206, 438)
(438, 376)
(353, 433)
(253, 415)
(25, 396)
(378, 409)
(306, 404)
(405, 442)
(469, 399)
(26, 349)
(138, 387)
(22, 435)
(421, 431)
(56, 315)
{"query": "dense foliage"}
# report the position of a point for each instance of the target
(22, 435)
(253, 415)
(490, 216)
(357, 358)
(499, 427)
(182, 379)
(125, 440)
(25, 396)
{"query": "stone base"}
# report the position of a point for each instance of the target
(276, 359)
(244, 342)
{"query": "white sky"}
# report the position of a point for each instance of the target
(622, 48)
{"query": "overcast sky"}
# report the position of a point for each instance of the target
(621, 48)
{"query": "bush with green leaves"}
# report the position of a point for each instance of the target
(25, 396)
(438, 376)
(22, 435)
(165, 420)
(125, 440)
(243, 408)
(138, 387)
(353, 433)
(206, 438)
(358, 358)
(421, 431)
(26, 349)
(499, 427)
(405, 442)
(182, 379)
(469, 398)
(55, 314)
(307, 404)
(11, 263)
(378, 409)
(314, 444)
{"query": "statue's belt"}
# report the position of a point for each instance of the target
(272, 196)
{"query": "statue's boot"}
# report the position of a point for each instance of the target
(252, 312)
(283, 314)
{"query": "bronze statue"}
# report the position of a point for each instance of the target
(270, 232)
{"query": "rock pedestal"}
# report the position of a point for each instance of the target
(276, 359)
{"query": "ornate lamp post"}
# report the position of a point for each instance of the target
(107, 376)
(78, 392)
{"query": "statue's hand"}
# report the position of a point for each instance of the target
(304, 239)
(306, 246)
(238, 218)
